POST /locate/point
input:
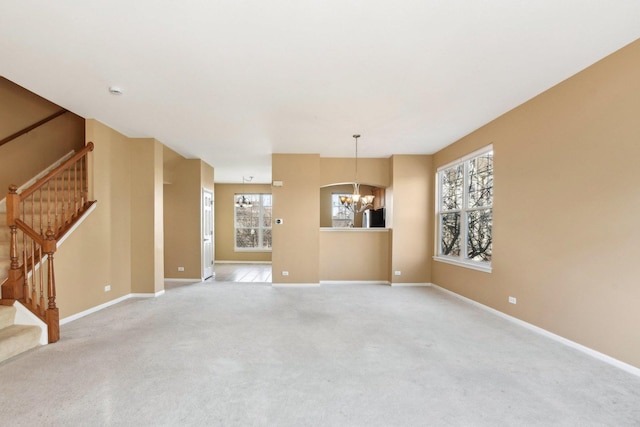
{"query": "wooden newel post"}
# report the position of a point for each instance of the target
(13, 289)
(52, 315)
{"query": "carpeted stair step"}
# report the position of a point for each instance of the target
(7, 316)
(15, 339)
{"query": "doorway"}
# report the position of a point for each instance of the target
(207, 234)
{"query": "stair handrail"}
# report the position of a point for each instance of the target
(40, 246)
(55, 172)
(32, 127)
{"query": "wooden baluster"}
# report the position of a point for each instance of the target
(70, 192)
(75, 189)
(41, 212)
(70, 196)
(49, 204)
(13, 250)
(13, 213)
(65, 196)
(34, 276)
(82, 199)
(85, 177)
(25, 286)
(60, 184)
(52, 315)
(41, 270)
(42, 308)
(59, 215)
(29, 210)
(12, 288)
(25, 213)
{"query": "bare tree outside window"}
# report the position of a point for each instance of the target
(480, 202)
(253, 222)
(451, 185)
(465, 208)
(340, 215)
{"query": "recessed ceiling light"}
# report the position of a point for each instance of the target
(115, 90)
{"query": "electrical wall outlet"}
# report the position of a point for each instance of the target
(107, 288)
(285, 273)
(512, 300)
(397, 273)
(180, 268)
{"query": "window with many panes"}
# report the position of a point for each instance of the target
(253, 222)
(340, 215)
(465, 210)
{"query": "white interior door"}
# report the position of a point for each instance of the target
(207, 234)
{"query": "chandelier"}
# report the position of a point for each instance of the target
(242, 201)
(355, 202)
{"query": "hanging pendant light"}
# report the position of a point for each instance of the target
(242, 201)
(356, 203)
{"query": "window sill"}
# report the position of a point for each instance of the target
(251, 250)
(484, 267)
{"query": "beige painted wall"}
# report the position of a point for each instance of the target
(182, 225)
(147, 237)
(338, 170)
(224, 227)
(411, 186)
(412, 207)
(98, 253)
(566, 209)
(20, 108)
(207, 177)
(297, 202)
(354, 254)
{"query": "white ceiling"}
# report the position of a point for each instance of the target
(233, 81)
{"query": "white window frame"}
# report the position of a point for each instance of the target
(460, 260)
(336, 206)
(261, 227)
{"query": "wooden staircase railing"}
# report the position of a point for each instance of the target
(38, 218)
(32, 127)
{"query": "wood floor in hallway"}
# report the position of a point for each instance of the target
(242, 273)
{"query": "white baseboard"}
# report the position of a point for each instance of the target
(295, 285)
(409, 284)
(183, 280)
(354, 282)
(591, 352)
(147, 295)
(221, 261)
(97, 308)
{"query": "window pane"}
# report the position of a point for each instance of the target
(253, 223)
(248, 217)
(340, 216)
(451, 185)
(266, 217)
(246, 238)
(266, 238)
(479, 240)
(481, 181)
(450, 229)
